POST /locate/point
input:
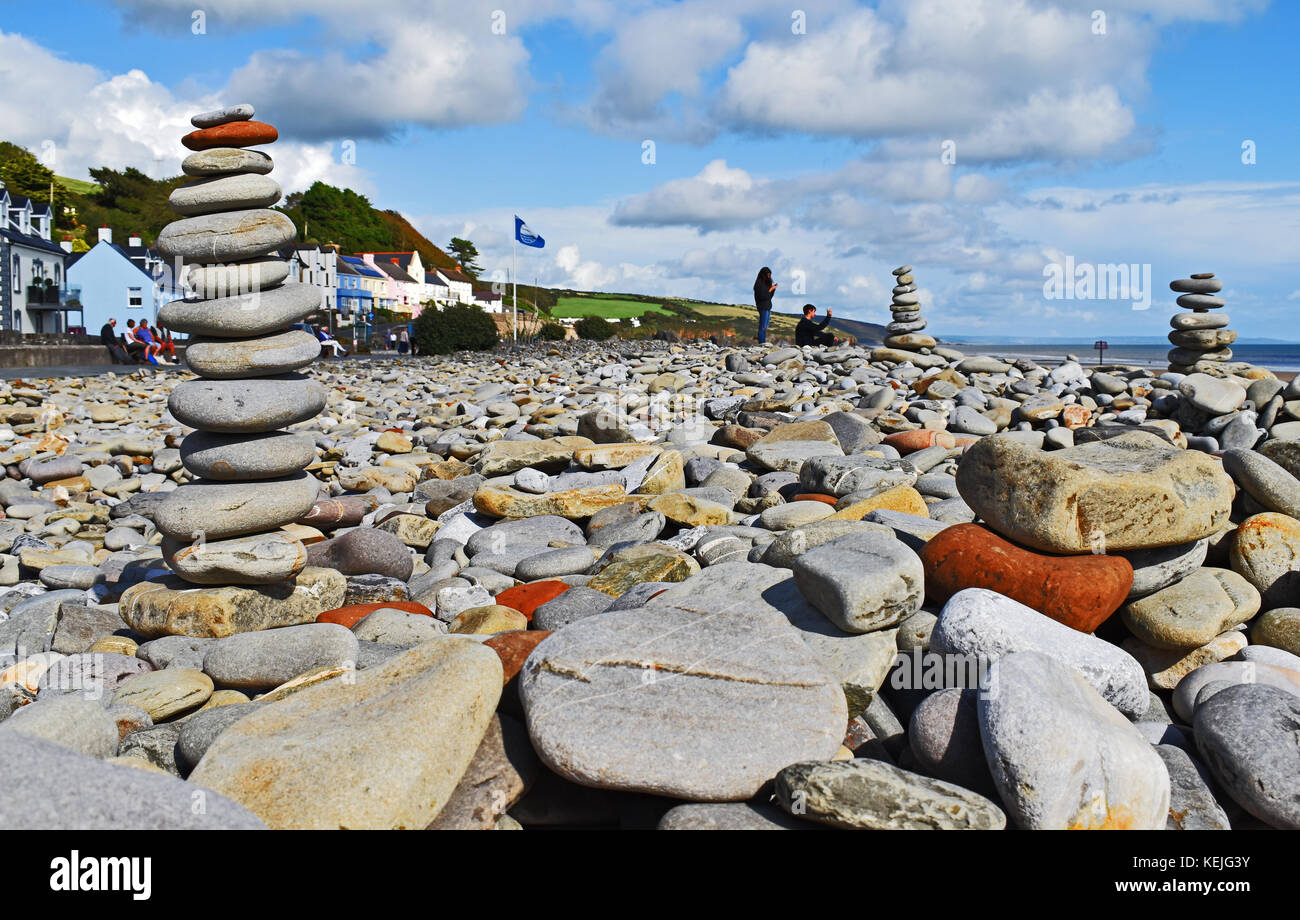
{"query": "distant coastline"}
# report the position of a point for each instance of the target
(1281, 358)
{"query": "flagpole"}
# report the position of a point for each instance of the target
(514, 275)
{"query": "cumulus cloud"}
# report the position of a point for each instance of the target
(89, 118)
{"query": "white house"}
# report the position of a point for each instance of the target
(460, 284)
(113, 285)
(436, 289)
(34, 296)
(317, 266)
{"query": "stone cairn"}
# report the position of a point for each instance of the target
(1200, 338)
(249, 478)
(905, 329)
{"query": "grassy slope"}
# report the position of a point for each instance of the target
(80, 186)
(611, 307)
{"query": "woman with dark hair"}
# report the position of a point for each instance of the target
(764, 287)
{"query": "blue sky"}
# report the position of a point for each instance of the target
(818, 151)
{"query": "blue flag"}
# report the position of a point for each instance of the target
(526, 236)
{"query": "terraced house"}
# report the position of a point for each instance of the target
(34, 296)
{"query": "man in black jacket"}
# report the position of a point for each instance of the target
(108, 338)
(809, 332)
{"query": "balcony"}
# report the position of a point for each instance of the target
(41, 295)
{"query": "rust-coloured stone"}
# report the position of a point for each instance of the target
(1073, 417)
(1079, 591)
(353, 614)
(234, 134)
(816, 497)
(528, 597)
(514, 648)
(737, 436)
(905, 442)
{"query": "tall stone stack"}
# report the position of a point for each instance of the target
(1200, 337)
(905, 329)
(222, 528)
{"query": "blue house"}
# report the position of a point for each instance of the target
(115, 285)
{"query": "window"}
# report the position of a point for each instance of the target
(18, 272)
(135, 298)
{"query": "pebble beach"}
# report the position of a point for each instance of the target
(655, 585)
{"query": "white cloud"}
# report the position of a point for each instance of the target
(88, 119)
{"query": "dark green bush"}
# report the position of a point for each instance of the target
(594, 327)
(459, 327)
(552, 332)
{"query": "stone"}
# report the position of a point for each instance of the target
(1270, 484)
(862, 582)
(221, 116)
(528, 597)
(985, 626)
(225, 193)
(1187, 695)
(731, 816)
(1192, 806)
(262, 356)
(364, 551)
(171, 606)
(690, 511)
(862, 475)
(220, 161)
(1278, 628)
(550, 455)
(1064, 758)
(1190, 613)
(514, 648)
(235, 458)
(786, 447)
(1246, 734)
(47, 785)
(1128, 492)
(77, 628)
(71, 721)
(200, 729)
(217, 510)
(254, 313)
(869, 794)
(231, 236)
(164, 693)
(1266, 552)
(944, 737)
(740, 694)
(638, 564)
(264, 558)
(571, 560)
(353, 614)
(573, 605)
(267, 658)
(240, 133)
(503, 769)
(1165, 668)
(900, 499)
(386, 750)
(91, 675)
(572, 504)
(391, 626)
(247, 406)
(1158, 568)
(1212, 395)
(487, 620)
(1079, 591)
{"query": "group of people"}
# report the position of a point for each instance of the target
(808, 332)
(399, 342)
(140, 344)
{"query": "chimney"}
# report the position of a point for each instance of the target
(106, 234)
(134, 240)
(66, 245)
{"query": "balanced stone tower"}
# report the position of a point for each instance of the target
(1200, 338)
(905, 329)
(249, 477)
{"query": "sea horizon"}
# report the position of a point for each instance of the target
(1281, 357)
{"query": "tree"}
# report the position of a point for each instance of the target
(594, 327)
(23, 174)
(459, 327)
(465, 252)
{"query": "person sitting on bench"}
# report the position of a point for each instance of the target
(108, 338)
(809, 332)
(135, 348)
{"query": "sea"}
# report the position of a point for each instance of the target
(1274, 357)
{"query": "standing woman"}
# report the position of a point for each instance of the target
(764, 287)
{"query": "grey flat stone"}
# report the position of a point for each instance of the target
(218, 510)
(1247, 736)
(259, 356)
(241, 315)
(228, 237)
(72, 721)
(246, 406)
(220, 161)
(238, 457)
(48, 786)
(862, 582)
(267, 658)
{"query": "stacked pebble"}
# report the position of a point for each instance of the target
(1200, 338)
(905, 328)
(222, 528)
